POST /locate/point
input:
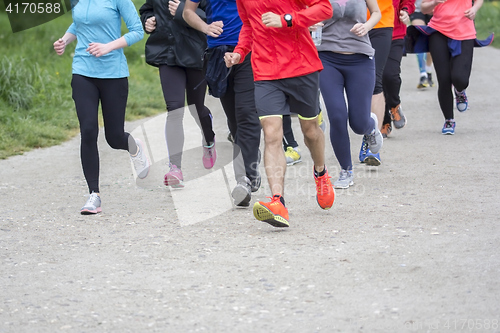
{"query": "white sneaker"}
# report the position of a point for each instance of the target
(346, 179)
(140, 161)
(92, 206)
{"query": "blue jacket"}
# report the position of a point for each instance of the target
(99, 21)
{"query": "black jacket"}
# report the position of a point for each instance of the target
(173, 42)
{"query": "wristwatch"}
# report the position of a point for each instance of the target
(288, 20)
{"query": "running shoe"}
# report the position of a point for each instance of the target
(273, 212)
(140, 160)
(448, 127)
(461, 99)
(346, 179)
(321, 121)
(386, 130)
(92, 206)
(423, 83)
(174, 177)
(363, 150)
(325, 194)
(293, 155)
(242, 193)
(374, 139)
(209, 155)
(397, 116)
(429, 80)
(230, 137)
(372, 159)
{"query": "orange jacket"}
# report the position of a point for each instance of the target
(285, 52)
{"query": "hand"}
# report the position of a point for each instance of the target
(359, 29)
(59, 46)
(150, 24)
(316, 26)
(214, 29)
(271, 20)
(404, 17)
(232, 58)
(471, 13)
(98, 49)
(172, 6)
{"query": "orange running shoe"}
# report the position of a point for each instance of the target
(272, 212)
(325, 194)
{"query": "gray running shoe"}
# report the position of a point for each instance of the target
(140, 161)
(346, 179)
(397, 116)
(242, 193)
(92, 206)
(375, 139)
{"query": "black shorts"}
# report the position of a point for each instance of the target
(419, 16)
(291, 95)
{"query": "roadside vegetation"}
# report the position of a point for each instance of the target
(36, 108)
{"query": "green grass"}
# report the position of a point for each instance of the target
(36, 108)
(488, 21)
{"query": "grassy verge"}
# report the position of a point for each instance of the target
(488, 21)
(36, 108)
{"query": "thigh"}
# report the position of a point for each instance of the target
(270, 99)
(331, 82)
(86, 96)
(302, 94)
(196, 86)
(461, 65)
(438, 47)
(360, 79)
(114, 94)
(173, 84)
(381, 40)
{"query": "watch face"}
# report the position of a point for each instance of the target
(288, 17)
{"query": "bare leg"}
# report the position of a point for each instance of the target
(274, 156)
(314, 138)
(378, 107)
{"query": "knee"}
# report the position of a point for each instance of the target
(361, 128)
(460, 83)
(116, 141)
(89, 135)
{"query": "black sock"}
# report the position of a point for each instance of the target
(281, 199)
(320, 173)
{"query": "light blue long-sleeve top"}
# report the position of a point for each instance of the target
(99, 21)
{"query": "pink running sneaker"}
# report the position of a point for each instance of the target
(174, 177)
(209, 155)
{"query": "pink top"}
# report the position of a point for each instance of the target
(449, 19)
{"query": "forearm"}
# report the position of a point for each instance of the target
(478, 4)
(192, 18)
(68, 38)
(427, 7)
(373, 20)
(119, 43)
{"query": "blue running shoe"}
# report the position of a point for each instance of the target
(372, 159)
(448, 127)
(362, 152)
(461, 100)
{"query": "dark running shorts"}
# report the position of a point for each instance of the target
(291, 95)
(419, 16)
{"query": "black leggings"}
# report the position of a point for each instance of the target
(391, 80)
(112, 93)
(180, 84)
(450, 70)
